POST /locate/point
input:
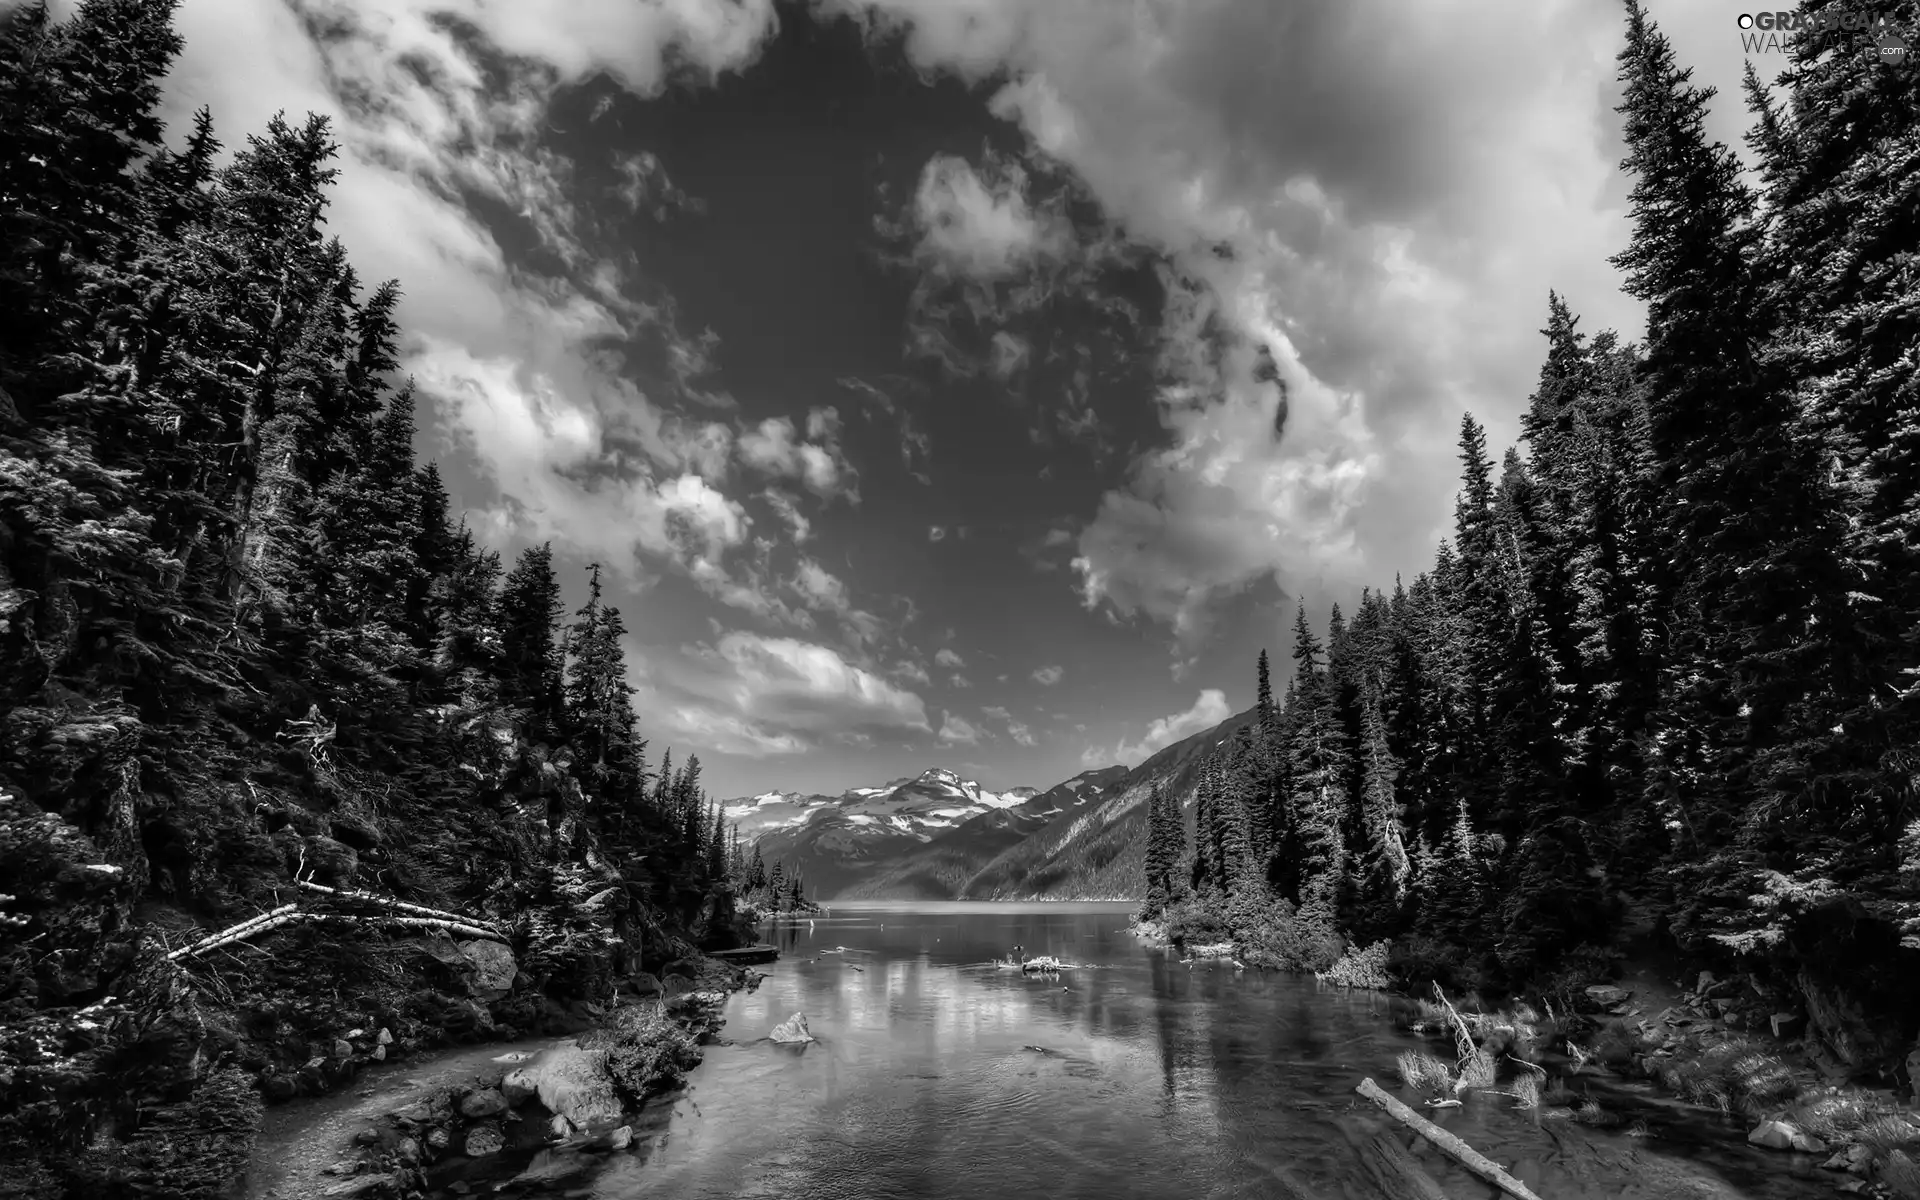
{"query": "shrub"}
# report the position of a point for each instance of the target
(1360, 968)
(1738, 1076)
(1419, 962)
(648, 1052)
(1526, 1089)
(1196, 922)
(1425, 1073)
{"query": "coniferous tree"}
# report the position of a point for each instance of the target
(530, 654)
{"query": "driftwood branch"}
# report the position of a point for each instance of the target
(398, 905)
(1447, 1143)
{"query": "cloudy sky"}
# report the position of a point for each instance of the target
(969, 383)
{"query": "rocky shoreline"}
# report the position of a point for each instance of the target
(532, 1116)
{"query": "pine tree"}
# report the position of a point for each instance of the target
(530, 654)
(1385, 868)
(1321, 768)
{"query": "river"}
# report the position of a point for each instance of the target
(1159, 1080)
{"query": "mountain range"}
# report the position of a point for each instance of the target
(941, 837)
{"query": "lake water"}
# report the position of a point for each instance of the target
(1163, 1080)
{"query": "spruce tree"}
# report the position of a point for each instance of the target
(530, 652)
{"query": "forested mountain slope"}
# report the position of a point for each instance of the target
(1097, 853)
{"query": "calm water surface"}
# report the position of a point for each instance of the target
(1164, 1081)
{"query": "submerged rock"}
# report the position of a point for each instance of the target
(793, 1030)
(1785, 1135)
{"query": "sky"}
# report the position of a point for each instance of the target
(960, 383)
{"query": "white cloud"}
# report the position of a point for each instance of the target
(1354, 163)
(757, 696)
(1021, 733)
(948, 657)
(1208, 710)
(979, 226)
(935, 533)
(775, 448)
(957, 730)
(960, 681)
(799, 528)
(996, 712)
(505, 356)
(912, 672)
(1048, 676)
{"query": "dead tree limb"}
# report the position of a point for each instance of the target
(288, 914)
(397, 905)
(1447, 1143)
(233, 933)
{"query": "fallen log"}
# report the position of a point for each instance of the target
(398, 905)
(1447, 1143)
(237, 931)
(288, 914)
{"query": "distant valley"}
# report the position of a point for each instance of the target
(941, 837)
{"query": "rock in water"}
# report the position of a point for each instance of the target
(1785, 1135)
(792, 1030)
(487, 1102)
(572, 1083)
(483, 1140)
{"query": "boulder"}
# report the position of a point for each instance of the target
(1842, 1023)
(571, 1083)
(330, 862)
(1785, 1135)
(342, 1048)
(1605, 995)
(643, 985)
(438, 1140)
(1913, 1072)
(487, 1102)
(559, 1129)
(483, 1140)
(792, 1030)
(367, 1187)
(490, 968)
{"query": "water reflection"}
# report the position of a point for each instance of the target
(1161, 1079)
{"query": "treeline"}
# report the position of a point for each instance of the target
(1666, 669)
(776, 889)
(243, 637)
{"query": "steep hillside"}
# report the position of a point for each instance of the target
(1096, 853)
(837, 842)
(939, 869)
